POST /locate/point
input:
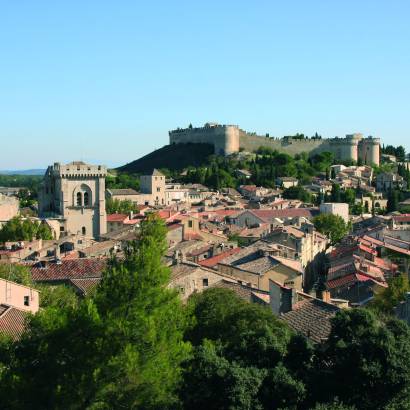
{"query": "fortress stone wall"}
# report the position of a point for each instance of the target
(228, 139)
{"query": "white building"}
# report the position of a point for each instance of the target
(335, 208)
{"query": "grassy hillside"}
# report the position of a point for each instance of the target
(174, 157)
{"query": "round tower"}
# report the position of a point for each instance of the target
(369, 151)
(231, 139)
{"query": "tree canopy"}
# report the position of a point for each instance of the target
(19, 229)
(333, 226)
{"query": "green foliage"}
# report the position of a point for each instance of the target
(122, 180)
(333, 226)
(393, 199)
(239, 355)
(297, 192)
(16, 273)
(114, 206)
(386, 300)
(57, 296)
(119, 349)
(399, 152)
(364, 362)
(18, 229)
(31, 182)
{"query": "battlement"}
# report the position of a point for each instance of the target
(77, 169)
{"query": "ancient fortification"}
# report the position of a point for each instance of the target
(228, 139)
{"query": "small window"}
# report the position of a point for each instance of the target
(205, 282)
(83, 230)
(26, 301)
(61, 228)
(158, 189)
(79, 199)
(190, 224)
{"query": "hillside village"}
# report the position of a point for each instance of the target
(304, 238)
(266, 240)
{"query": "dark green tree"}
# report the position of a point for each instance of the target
(333, 226)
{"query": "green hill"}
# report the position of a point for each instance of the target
(173, 157)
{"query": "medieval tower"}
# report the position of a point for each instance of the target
(74, 195)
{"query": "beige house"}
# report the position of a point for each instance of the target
(257, 264)
(287, 182)
(188, 278)
(74, 196)
(19, 296)
(127, 194)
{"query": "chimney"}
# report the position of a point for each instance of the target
(326, 296)
(131, 215)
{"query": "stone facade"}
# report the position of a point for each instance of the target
(228, 139)
(74, 194)
(335, 208)
(9, 208)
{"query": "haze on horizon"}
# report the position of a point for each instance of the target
(104, 82)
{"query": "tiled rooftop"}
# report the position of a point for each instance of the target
(12, 321)
(311, 317)
(68, 269)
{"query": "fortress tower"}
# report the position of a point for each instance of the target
(224, 138)
(369, 150)
(74, 195)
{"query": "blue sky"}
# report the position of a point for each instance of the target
(104, 81)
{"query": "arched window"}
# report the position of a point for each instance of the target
(86, 199)
(79, 199)
(83, 230)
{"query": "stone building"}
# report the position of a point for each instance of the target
(9, 208)
(229, 139)
(74, 196)
(335, 208)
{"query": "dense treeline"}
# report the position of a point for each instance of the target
(31, 182)
(399, 152)
(265, 167)
(132, 344)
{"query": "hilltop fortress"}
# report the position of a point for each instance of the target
(228, 139)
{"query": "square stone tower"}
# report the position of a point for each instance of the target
(74, 195)
(153, 185)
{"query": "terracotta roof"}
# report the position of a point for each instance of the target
(116, 217)
(12, 321)
(249, 188)
(245, 292)
(269, 214)
(68, 269)
(311, 317)
(212, 262)
(85, 285)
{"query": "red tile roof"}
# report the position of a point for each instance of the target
(116, 217)
(212, 262)
(401, 218)
(12, 321)
(68, 269)
(86, 285)
(268, 214)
